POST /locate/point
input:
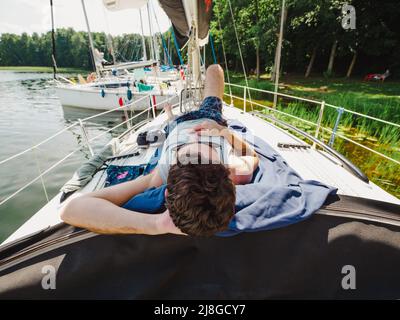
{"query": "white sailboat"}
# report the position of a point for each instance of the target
(107, 94)
(114, 84)
(363, 208)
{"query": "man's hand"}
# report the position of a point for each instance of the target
(210, 128)
(244, 160)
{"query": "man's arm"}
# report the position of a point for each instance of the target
(101, 216)
(245, 159)
(100, 211)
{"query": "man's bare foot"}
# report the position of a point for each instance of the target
(214, 82)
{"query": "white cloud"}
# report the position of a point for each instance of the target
(11, 28)
(17, 16)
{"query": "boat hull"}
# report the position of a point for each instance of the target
(93, 99)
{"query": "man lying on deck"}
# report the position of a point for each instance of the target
(201, 162)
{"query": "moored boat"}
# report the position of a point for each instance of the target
(114, 84)
(107, 95)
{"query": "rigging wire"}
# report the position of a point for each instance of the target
(162, 38)
(240, 51)
(152, 44)
(178, 50)
(213, 49)
(156, 68)
(135, 51)
(169, 46)
(109, 43)
(40, 173)
(144, 50)
(224, 54)
(110, 48)
(124, 50)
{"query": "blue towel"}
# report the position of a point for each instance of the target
(150, 201)
(118, 174)
(277, 197)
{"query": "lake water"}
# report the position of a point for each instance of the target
(29, 113)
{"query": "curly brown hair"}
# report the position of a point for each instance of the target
(201, 198)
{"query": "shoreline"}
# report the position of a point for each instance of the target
(42, 69)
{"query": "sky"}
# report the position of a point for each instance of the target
(17, 16)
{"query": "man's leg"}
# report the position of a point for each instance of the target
(211, 107)
(214, 83)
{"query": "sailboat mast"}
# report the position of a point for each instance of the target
(151, 33)
(111, 47)
(195, 48)
(53, 42)
(143, 39)
(90, 38)
(156, 47)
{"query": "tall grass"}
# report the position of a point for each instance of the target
(41, 69)
(377, 100)
(381, 100)
(362, 98)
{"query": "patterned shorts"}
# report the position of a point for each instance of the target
(211, 108)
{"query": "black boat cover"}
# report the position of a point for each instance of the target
(310, 259)
(176, 13)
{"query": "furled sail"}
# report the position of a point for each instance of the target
(117, 5)
(181, 13)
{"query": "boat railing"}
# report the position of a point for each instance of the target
(246, 98)
(82, 124)
(151, 110)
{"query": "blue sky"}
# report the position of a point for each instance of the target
(17, 16)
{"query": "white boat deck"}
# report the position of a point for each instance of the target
(311, 164)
